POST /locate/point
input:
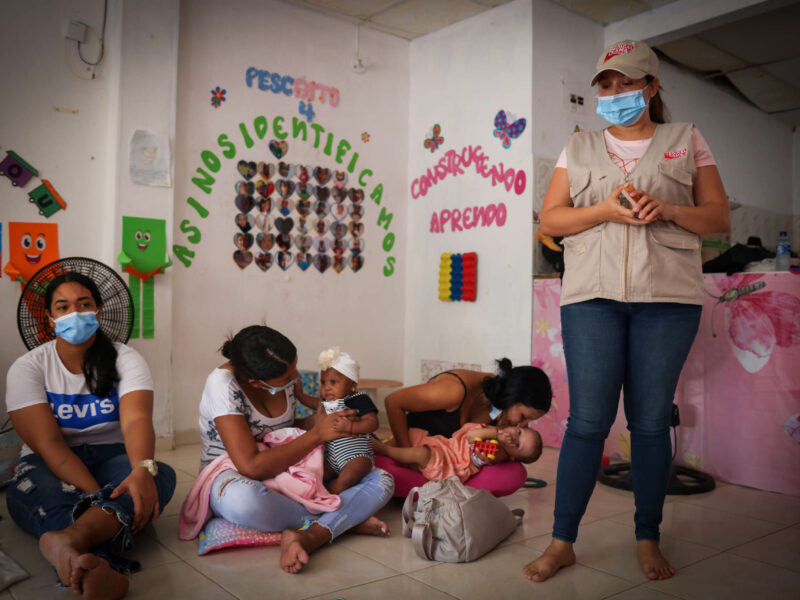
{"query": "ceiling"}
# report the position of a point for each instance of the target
(749, 47)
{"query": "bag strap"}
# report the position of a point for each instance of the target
(409, 506)
(423, 540)
(518, 514)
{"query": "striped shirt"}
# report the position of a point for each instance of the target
(339, 452)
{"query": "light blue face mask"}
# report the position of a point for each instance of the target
(275, 390)
(494, 413)
(76, 327)
(622, 109)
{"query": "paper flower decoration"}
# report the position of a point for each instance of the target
(218, 97)
(365, 137)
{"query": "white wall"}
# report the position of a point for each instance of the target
(363, 311)
(75, 132)
(460, 77)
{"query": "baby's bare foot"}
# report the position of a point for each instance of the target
(558, 554)
(652, 562)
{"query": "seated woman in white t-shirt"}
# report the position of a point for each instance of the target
(86, 481)
(255, 392)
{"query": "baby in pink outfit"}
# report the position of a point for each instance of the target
(438, 457)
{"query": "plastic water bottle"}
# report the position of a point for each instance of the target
(783, 252)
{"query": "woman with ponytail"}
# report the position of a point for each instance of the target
(86, 481)
(512, 396)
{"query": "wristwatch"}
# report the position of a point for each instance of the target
(150, 465)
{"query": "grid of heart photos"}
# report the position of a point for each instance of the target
(294, 217)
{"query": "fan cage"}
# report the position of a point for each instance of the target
(116, 316)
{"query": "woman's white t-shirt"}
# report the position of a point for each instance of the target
(222, 396)
(39, 377)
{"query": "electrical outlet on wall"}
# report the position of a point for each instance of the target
(76, 31)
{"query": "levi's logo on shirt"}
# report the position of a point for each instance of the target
(617, 50)
(675, 154)
(81, 411)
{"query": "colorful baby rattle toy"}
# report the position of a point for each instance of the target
(488, 448)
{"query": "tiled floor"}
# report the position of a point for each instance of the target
(733, 543)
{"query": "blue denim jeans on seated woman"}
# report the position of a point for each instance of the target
(39, 502)
(248, 503)
(639, 348)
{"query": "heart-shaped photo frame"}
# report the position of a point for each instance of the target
(338, 264)
(322, 175)
(356, 262)
(285, 188)
(244, 222)
(265, 241)
(356, 195)
(285, 260)
(356, 229)
(264, 260)
(320, 226)
(304, 225)
(339, 230)
(357, 212)
(283, 241)
(340, 178)
(322, 262)
(245, 188)
(304, 190)
(338, 247)
(284, 224)
(303, 173)
(265, 189)
(322, 193)
(303, 242)
(246, 169)
(340, 212)
(242, 258)
(265, 205)
(285, 206)
(278, 148)
(357, 245)
(303, 260)
(265, 170)
(264, 222)
(243, 241)
(321, 245)
(245, 203)
(321, 208)
(339, 194)
(303, 207)
(285, 170)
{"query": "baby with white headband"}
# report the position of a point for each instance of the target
(348, 458)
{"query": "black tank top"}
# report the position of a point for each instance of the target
(439, 422)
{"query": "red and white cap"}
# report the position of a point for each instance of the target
(632, 58)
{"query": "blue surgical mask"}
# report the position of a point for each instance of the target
(76, 327)
(275, 390)
(494, 413)
(622, 109)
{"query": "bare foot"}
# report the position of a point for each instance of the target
(372, 526)
(100, 581)
(293, 556)
(56, 547)
(652, 562)
(558, 554)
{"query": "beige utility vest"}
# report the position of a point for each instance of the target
(659, 262)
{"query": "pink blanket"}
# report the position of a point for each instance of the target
(302, 482)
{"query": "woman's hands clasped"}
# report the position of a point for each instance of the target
(645, 210)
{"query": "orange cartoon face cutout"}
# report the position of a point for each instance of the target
(31, 247)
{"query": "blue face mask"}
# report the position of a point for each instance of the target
(76, 327)
(622, 109)
(274, 390)
(494, 413)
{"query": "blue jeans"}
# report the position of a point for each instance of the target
(639, 348)
(249, 504)
(39, 502)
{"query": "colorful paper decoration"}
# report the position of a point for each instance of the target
(31, 246)
(434, 139)
(458, 275)
(47, 199)
(144, 254)
(505, 129)
(218, 97)
(16, 169)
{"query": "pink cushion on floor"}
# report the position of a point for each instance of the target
(501, 480)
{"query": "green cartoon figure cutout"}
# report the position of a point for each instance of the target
(144, 254)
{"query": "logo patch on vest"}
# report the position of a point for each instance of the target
(617, 50)
(675, 154)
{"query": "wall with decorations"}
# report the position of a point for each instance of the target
(469, 191)
(290, 191)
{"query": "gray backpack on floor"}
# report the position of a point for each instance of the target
(450, 522)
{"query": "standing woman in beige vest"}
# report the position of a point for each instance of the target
(632, 290)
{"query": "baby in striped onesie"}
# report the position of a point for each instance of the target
(347, 459)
